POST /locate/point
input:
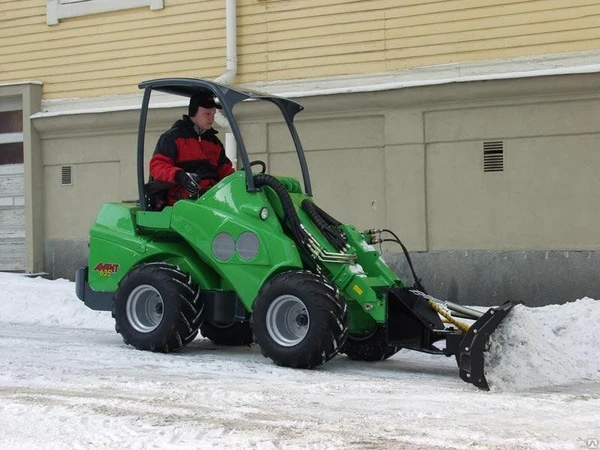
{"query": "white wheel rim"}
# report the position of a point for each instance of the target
(145, 308)
(287, 320)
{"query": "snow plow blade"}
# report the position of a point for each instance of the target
(470, 352)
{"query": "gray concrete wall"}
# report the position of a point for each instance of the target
(410, 160)
(542, 198)
(490, 278)
(62, 257)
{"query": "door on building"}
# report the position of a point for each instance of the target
(12, 190)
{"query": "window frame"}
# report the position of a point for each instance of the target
(64, 9)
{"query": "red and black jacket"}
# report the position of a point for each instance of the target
(182, 148)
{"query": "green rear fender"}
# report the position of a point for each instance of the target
(111, 261)
(116, 246)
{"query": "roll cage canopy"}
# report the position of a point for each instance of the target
(228, 97)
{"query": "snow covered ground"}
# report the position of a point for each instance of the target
(67, 381)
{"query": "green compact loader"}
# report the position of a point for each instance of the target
(254, 259)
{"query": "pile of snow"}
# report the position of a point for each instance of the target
(45, 302)
(547, 346)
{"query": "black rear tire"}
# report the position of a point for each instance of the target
(300, 320)
(157, 308)
(371, 347)
(236, 333)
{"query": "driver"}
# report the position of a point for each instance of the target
(190, 154)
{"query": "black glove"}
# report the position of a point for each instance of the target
(186, 180)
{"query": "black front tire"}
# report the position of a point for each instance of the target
(236, 333)
(157, 308)
(371, 347)
(300, 320)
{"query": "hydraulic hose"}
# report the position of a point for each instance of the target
(442, 312)
(320, 219)
(330, 220)
(288, 208)
(397, 240)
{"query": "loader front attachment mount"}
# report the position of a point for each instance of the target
(414, 323)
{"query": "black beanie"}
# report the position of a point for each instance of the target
(203, 99)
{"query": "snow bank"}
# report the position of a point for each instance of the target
(534, 347)
(45, 302)
(546, 346)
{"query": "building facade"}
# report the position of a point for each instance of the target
(469, 128)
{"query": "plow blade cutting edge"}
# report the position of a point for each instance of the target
(469, 354)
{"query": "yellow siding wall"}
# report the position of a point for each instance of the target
(110, 53)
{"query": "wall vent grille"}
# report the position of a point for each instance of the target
(493, 156)
(66, 176)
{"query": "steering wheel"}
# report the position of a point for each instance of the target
(260, 163)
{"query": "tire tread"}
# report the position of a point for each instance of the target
(182, 294)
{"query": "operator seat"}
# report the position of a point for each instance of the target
(155, 194)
